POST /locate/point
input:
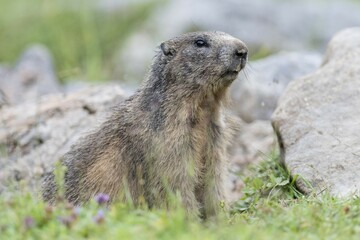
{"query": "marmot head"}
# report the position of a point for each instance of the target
(202, 60)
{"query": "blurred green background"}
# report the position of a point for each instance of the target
(97, 40)
(80, 36)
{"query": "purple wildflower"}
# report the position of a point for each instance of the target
(102, 198)
(29, 222)
(67, 221)
(76, 211)
(99, 217)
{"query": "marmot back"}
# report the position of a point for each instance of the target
(171, 135)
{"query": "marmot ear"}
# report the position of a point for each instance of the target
(167, 49)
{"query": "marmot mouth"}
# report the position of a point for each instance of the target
(231, 73)
(229, 76)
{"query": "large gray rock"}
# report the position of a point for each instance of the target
(32, 77)
(256, 93)
(318, 121)
(35, 134)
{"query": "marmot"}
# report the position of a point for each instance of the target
(170, 136)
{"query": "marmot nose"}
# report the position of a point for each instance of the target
(241, 53)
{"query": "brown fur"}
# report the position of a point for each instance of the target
(170, 136)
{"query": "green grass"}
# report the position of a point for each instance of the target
(82, 38)
(260, 53)
(270, 209)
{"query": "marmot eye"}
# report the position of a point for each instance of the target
(201, 43)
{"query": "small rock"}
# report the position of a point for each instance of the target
(3, 99)
(32, 77)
